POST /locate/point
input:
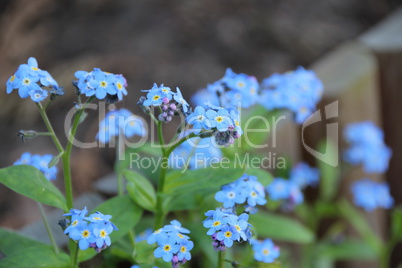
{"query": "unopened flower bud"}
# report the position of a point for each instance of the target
(144, 108)
(165, 100)
(173, 106)
(27, 134)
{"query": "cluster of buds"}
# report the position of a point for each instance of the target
(227, 137)
(218, 245)
(168, 111)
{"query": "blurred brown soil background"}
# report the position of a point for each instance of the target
(179, 43)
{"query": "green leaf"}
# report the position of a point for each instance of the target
(125, 215)
(194, 180)
(141, 190)
(258, 124)
(145, 253)
(347, 250)
(329, 174)
(30, 182)
(352, 215)
(280, 228)
(23, 252)
(187, 201)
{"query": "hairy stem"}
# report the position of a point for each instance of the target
(221, 259)
(48, 230)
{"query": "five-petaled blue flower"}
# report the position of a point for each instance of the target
(228, 234)
(199, 120)
(265, 251)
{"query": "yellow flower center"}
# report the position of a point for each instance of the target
(253, 194)
(156, 97)
(303, 110)
(12, 78)
(119, 86)
(237, 123)
(265, 251)
(85, 233)
(103, 233)
(96, 218)
(219, 119)
(74, 223)
(166, 248)
(228, 234)
(26, 81)
(240, 84)
(216, 223)
(238, 228)
(180, 235)
(183, 249)
(103, 84)
(35, 69)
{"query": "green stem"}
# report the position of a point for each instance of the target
(159, 217)
(221, 259)
(171, 149)
(50, 128)
(120, 186)
(131, 235)
(73, 247)
(48, 230)
(160, 137)
(67, 155)
(387, 251)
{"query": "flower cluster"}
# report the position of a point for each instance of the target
(32, 81)
(224, 123)
(367, 147)
(41, 162)
(301, 176)
(298, 91)
(371, 195)
(120, 122)
(173, 245)
(90, 232)
(232, 90)
(265, 251)
(103, 85)
(195, 153)
(170, 102)
(225, 227)
(245, 190)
